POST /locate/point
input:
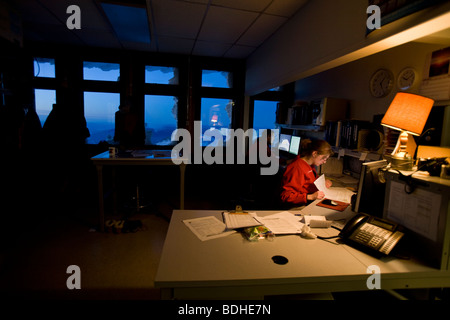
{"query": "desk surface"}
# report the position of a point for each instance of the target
(233, 266)
(136, 157)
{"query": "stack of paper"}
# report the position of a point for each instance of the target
(207, 228)
(239, 220)
(282, 223)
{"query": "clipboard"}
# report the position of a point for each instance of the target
(341, 206)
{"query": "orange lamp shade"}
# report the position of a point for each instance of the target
(408, 112)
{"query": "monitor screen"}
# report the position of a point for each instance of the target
(295, 145)
(285, 142)
(371, 189)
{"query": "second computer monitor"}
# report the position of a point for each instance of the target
(285, 142)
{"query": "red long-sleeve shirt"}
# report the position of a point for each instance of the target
(298, 181)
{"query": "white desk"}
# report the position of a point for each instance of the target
(233, 267)
(145, 158)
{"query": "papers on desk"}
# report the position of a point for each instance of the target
(240, 220)
(338, 194)
(207, 228)
(282, 223)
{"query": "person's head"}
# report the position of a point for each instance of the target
(316, 152)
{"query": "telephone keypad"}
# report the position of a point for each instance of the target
(371, 235)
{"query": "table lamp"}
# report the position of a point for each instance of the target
(407, 113)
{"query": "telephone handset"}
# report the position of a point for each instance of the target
(375, 235)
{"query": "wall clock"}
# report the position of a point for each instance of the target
(381, 83)
(406, 78)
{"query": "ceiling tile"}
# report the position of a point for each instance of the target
(197, 1)
(251, 5)
(90, 15)
(263, 28)
(225, 24)
(177, 18)
(212, 49)
(239, 52)
(227, 28)
(52, 34)
(98, 37)
(175, 45)
(32, 11)
(285, 8)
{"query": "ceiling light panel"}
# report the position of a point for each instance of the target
(129, 23)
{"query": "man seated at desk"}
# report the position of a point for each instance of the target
(298, 188)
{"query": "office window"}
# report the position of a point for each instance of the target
(44, 67)
(101, 71)
(99, 111)
(264, 114)
(216, 113)
(44, 100)
(217, 79)
(161, 75)
(160, 119)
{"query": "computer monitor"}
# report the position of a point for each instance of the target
(295, 145)
(371, 189)
(285, 142)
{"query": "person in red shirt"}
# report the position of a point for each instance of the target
(298, 188)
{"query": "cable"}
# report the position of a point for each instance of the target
(332, 237)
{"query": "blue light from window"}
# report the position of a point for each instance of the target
(99, 110)
(217, 79)
(161, 75)
(264, 115)
(216, 114)
(101, 71)
(44, 67)
(160, 119)
(44, 100)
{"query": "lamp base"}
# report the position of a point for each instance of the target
(402, 163)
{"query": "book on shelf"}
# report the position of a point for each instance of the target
(345, 133)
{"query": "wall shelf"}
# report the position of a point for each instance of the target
(304, 127)
(362, 155)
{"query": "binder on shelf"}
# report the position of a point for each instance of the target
(350, 133)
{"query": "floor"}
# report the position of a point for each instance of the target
(36, 251)
(112, 266)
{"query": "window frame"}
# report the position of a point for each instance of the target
(44, 83)
(99, 86)
(173, 90)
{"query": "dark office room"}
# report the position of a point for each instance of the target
(223, 150)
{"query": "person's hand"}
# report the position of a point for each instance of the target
(328, 183)
(316, 195)
(320, 195)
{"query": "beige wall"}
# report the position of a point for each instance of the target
(351, 81)
(325, 34)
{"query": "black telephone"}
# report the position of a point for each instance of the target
(370, 234)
